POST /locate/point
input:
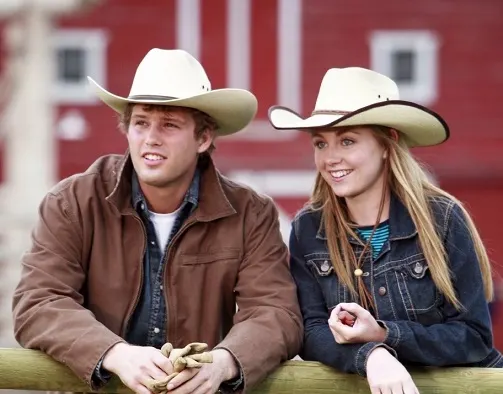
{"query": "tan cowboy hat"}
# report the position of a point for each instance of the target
(175, 78)
(356, 96)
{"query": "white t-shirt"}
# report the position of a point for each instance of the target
(163, 223)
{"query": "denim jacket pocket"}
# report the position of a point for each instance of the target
(323, 270)
(418, 292)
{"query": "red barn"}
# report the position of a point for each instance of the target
(443, 54)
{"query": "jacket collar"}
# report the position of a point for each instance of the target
(401, 225)
(212, 201)
(191, 196)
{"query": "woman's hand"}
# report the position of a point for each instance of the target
(387, 375)
(350, 323)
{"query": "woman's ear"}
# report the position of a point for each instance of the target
(394, 134)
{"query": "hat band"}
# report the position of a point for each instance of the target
(329, 112)
(149, 97)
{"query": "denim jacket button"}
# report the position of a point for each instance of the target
(418, 268)
(325, 266)
(382, 290)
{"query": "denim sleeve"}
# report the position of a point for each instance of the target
(465, 336)
(319, 342)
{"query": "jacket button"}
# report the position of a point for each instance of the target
(325, 266)
(382, 290)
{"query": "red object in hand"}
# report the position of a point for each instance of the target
(346, 318)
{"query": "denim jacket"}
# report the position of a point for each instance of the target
(422, 327)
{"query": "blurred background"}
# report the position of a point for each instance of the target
(443, 53)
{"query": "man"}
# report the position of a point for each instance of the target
(158, 246)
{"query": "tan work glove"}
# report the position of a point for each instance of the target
(194, 355)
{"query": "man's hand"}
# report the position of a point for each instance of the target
(137, 365)
(208, 378)
(363, 328)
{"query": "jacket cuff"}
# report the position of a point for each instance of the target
(233, 385)
(100, 376)
(237, 384)
(363, 354)
(393, 335)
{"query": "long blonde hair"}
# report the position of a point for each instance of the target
(409, 182)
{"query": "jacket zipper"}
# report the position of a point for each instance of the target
(138, 290)
(166, 282)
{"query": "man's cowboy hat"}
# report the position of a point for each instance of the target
(356, 96)
(175, 78)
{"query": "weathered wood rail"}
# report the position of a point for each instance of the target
(22, 369)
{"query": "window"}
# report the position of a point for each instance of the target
(71, 65)
(77, 54)
(409, 57)
(402, 66)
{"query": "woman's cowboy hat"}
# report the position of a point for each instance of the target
(175, 78)
(356, 96)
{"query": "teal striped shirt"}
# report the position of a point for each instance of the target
(381, 235)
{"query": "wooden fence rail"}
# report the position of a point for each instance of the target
(22, 369)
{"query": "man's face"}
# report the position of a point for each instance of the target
(163, 146)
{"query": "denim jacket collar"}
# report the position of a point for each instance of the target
(401, 225)
(191, 197)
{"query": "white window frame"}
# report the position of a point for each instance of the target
(425, 44)
(95, 43)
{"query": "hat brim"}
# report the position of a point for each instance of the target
(419, 125)
(232, 109)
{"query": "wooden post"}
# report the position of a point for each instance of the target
(23, 369)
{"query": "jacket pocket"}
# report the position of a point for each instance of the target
(418, 292)
(323, 270)
(226, 255)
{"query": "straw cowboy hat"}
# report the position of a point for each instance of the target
(356, 96)
(175, 78)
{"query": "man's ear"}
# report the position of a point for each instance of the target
(205, 140)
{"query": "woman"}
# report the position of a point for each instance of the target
(390, 269)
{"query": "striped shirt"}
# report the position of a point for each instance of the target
(381, 235)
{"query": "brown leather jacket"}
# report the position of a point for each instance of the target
(82, 276)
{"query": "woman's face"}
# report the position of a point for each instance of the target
(351, 160)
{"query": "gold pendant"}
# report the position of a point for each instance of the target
(358, 272)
